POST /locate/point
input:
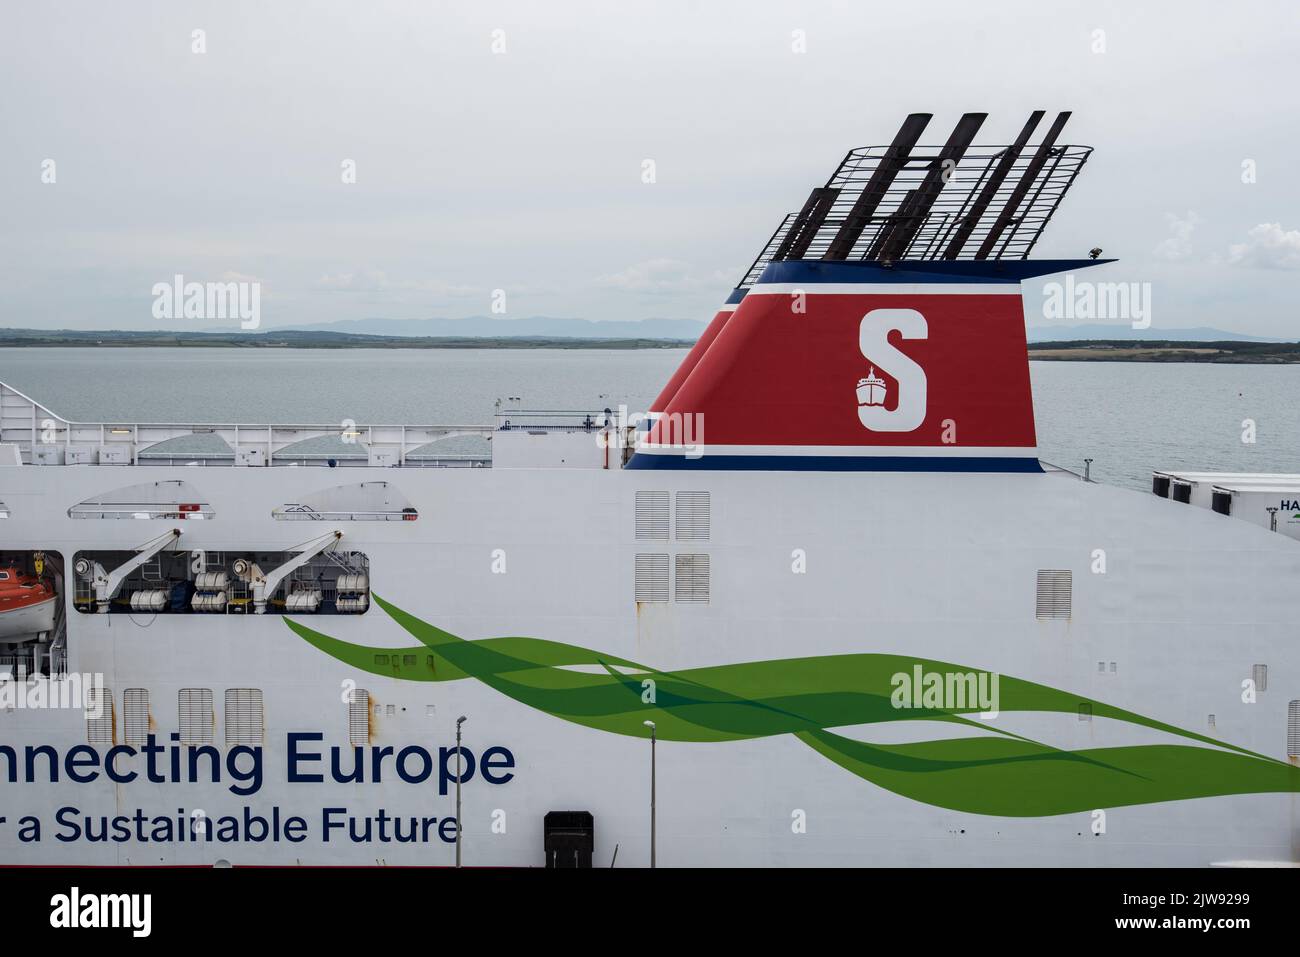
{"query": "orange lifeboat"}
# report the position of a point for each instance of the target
(26, 604)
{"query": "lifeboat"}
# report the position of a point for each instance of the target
(26, 604)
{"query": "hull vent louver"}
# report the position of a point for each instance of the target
(1054, 593)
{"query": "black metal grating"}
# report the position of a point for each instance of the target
(990, 202)
(939, 225)
(769, 252)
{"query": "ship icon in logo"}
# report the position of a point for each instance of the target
(872, 389)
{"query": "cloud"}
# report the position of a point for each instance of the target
(369, 280)
(1178, 246)
(661, 276)
(1267, 246)
(366, 280)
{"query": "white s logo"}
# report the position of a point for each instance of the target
(873, 340)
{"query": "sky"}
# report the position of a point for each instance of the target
(500, 149)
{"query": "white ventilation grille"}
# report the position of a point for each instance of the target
(99, 729)
(693, 516)
(135, 706)
(359, 718)
(245, 721)
(1293, 729)
(1054, 590)
(1259, 673)
(652, 516)
(693, 578)
(652, 577)
(194, 709)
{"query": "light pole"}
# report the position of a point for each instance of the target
(651, 726)
(459, 722)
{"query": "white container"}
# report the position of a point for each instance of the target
(1198, 487)
(353, 583)
(153, 599)
(209, 601)
(305, 600)
(1251, 503)
(211, 581)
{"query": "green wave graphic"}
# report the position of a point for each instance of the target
(995, 773)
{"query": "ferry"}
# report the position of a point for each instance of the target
(821, 605)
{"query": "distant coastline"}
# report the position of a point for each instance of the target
(1070, 350)
(1155, 350)
(289, 339)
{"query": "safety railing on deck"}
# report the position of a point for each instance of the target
(45, 438)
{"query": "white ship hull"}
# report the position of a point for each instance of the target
(935, 566)
(793, 599)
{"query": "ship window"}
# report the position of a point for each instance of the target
(1054, 593)
(245, 721)
(1160, 485)
(693, 517)
(1259, 674)
(359, 717)
(99, 716)
(135, 704)
(4, 510)
(651, 577)
(194, 707)
(1182, 492)
(693, 578)
(1085, 712)
(1293, 729)
(1221, 502)
(652, 517)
